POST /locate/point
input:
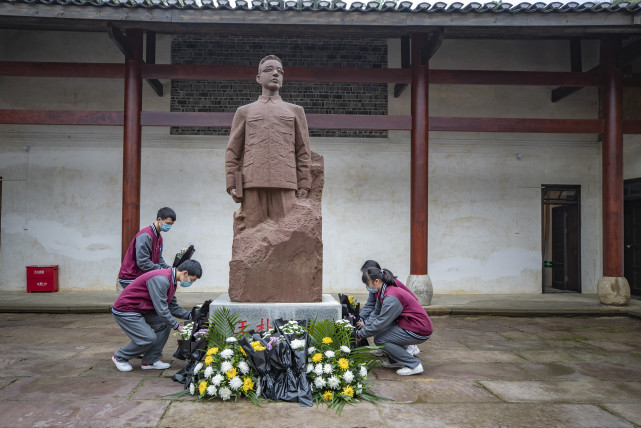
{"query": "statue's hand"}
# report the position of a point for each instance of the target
(236, 199)
(302, 193)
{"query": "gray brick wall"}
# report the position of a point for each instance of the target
(320, 98)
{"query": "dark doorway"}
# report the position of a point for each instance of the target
(632, 235)
(561, 236)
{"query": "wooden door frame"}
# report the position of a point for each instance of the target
(544, 188)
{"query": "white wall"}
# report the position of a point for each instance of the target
(62, 200)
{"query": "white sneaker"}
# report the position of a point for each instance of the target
(413, 350)
(123, 366)
(158, 365)
(389, 365)
(406, 371)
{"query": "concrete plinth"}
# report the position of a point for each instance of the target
(614, 291)
(421, 286)
(262, 314)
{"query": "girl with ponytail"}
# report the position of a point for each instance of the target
(398, 320)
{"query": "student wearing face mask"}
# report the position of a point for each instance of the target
(145, 250)
(398, 320)
(369, 306)
(145, 311)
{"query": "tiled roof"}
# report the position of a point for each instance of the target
(357, 6)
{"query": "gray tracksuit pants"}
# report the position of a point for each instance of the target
(395, 339)
(148, 334)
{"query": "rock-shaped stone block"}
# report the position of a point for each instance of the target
(614, 291)
(281, 261)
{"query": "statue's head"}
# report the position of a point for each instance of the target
(270, 73)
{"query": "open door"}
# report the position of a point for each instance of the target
(561, 238)
(632, 235)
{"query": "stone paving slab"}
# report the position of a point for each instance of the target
(631, 412)
(120, 413)
(500, 415)
(230, 414)
(573, 391)
(55, 369)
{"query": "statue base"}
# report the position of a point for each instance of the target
(261, 316)
(614, 291)
(421, 286)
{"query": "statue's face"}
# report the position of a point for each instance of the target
(271, 75)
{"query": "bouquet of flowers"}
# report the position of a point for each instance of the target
(338, 373)
(351, 307)
(225, 373)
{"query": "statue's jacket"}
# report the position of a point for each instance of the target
(270, 139)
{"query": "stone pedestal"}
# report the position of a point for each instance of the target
(421, 286)
(614, 291)
(258, 315)
(281, 261)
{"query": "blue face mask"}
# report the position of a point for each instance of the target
(185, 284)
(371, 290)
(165, 227)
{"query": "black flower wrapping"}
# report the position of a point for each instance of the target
(260, 363)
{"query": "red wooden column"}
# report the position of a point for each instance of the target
(613, 288)
(419, 151)
(131, 152)
(612, 160)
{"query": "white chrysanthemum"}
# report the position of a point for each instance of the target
(211, 390)
(231, 340)
(329, 354)
(209, 371)
(318, 369)
(227, 354)
(310, 367)
(298, 344)
(311, 350)
(192, 388)
(226, 366)
(348, 376)
(327, 368)
(217, 379)
(235, 383)
(346, 349)
(359, 389)
(243, 367)
(224, 393)
(319, 382)
(333, 382)
(198, 367)
(363, 372)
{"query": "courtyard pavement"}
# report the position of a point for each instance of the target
(480, 371)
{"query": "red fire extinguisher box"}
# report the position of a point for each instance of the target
(42, 278)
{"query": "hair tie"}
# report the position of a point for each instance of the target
(382, 271)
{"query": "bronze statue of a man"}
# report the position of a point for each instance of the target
(269, 145)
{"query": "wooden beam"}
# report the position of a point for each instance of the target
(61, 117)
(512, 78)
(150, 58)
(120, 40)
(405, 64)
(61, 69)
(632, 126)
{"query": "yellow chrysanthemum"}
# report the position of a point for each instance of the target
(351, 299)
(231, 373)
(349, 391)
(248, 384)
(343, 363)
(212, 351)
(257, 346)
(317, 357)
(328, 396)
(202, 387)
(209, 359)
(327, 340)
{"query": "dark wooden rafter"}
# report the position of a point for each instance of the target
(625, 57)
(126, 48)
(434, 43)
